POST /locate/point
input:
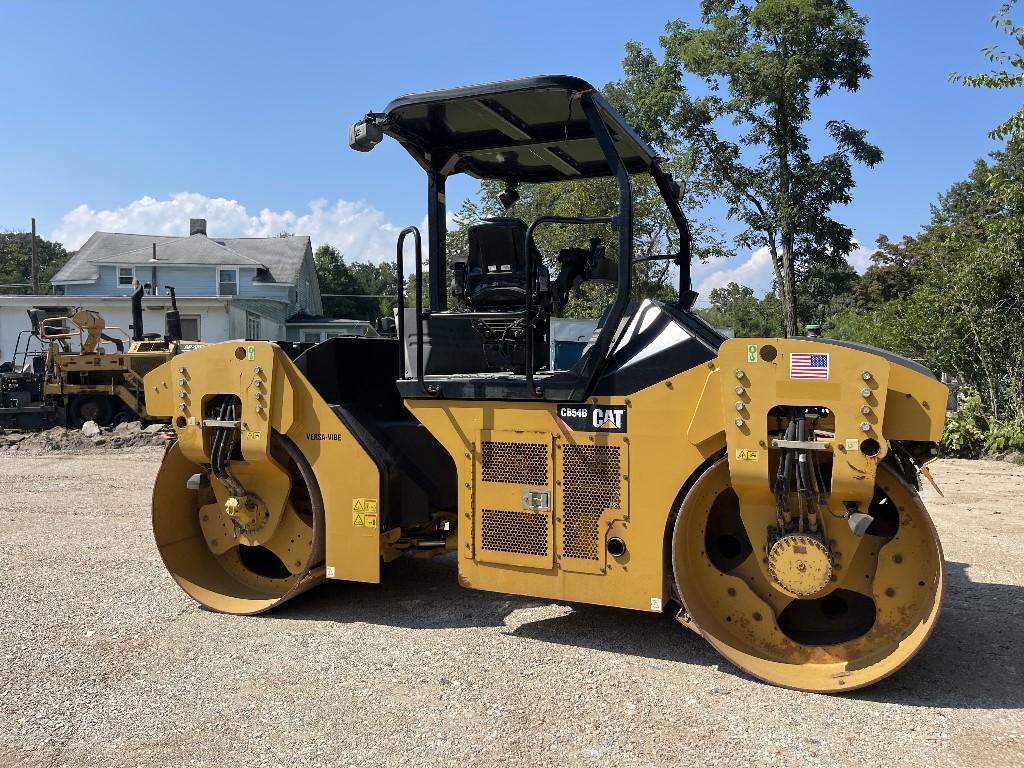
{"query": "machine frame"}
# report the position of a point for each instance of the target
(768, 487)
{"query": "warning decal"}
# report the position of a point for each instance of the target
(364, 513)
(742, 454)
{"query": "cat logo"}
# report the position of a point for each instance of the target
(609, 418)
(581, 417)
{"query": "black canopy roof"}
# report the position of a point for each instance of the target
(533, 129)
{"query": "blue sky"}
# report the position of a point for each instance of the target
(113, 110)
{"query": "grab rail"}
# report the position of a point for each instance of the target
(530, 268)
(431, 390)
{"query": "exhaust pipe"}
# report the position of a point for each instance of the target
(616, 547)
(172, 319)
(137, 315)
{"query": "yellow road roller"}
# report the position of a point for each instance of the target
(763, 490)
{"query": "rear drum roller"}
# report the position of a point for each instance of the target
(865, 613)
(210, 562)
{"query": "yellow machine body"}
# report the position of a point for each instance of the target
(539, 503)
(674, 428)
(275, 399)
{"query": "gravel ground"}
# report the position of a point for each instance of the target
(105, 662)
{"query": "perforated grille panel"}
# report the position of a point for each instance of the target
(517, 463)
(591, 479)
(522, 533)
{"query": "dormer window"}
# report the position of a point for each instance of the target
(125, 276)
(227, 281)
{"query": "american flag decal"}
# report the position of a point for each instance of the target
(808, 365)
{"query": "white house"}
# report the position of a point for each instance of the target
(227, 288)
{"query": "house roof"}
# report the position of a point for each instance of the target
(282, 257)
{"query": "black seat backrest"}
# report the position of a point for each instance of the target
(495, 272)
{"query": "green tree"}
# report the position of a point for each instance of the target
(951, 295)
(761, 66)
(892, 274)
(1007, 70)
(361, 290)
(16, 261)
(735, 306)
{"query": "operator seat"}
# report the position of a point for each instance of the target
(493, 277)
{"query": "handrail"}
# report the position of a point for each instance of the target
(431, 390)
(685, 256)
(624, 220)
(530, 248)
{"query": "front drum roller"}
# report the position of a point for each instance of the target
(230, 576)
(877, 610)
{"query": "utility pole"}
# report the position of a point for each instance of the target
(35, 266)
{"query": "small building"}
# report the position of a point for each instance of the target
(227, 288)
(317, 328)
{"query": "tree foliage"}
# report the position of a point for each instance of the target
(951, 296)
(361, 290)
(760, 68)
(736, 307)
(16, 261)
(1007, 70)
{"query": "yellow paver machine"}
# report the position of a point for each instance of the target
(763, 490)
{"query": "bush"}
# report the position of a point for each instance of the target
(1003, 438)
(966, 429)
(971, 432)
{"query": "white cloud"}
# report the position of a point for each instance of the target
(357, 229)
(755, 272)
(860, 258)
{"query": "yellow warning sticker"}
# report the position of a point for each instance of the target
(742, 454)
(364, 505)
(251, 435)
(364, 519)
(364, 513)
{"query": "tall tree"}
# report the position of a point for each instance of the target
(16, 261)
(760, 67)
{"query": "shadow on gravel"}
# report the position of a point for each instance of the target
(972, 659)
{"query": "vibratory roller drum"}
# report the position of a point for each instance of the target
(232, 550)
(829, 603)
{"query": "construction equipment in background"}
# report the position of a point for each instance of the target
(83, 370)
(766, 490)
(22, 404)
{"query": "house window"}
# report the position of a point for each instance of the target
(311, 336)
(252, 326)
(227, 282)
(125, 275)
(190, 328)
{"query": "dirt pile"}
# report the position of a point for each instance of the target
(90, 438)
